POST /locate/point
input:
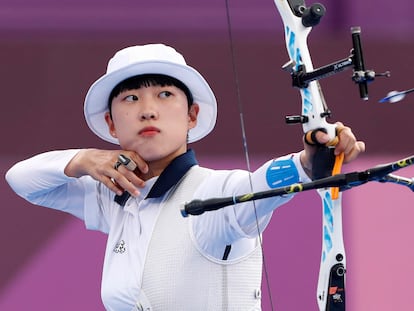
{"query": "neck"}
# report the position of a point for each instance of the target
(156, 167)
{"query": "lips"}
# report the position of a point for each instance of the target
(149, 131)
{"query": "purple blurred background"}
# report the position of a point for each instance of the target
(50, 53)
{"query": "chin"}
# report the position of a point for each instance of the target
(150, 156)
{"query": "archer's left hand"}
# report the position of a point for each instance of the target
(346, 144)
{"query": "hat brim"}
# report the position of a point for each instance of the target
(96, 101)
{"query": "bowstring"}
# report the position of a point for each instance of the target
(244, 139)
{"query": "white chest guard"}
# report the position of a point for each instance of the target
(177, 276)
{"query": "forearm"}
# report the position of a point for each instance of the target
(40, 174)
(273, 174)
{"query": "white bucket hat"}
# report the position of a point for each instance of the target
(149, 59)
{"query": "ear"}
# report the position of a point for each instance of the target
(111, 125)
(192, 115)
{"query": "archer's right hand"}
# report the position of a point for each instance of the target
(100, 165)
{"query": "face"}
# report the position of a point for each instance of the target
(153, 121)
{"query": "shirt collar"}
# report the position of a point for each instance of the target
(173, 173)
(168, 178)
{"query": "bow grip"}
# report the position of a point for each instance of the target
(315, 124)
(324, 159)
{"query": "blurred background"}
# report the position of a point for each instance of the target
(52, 51)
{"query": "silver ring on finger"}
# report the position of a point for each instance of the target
(127, 162)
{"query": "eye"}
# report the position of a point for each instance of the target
(131, 98)
(165, 94)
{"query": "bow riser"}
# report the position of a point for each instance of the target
(330, 289)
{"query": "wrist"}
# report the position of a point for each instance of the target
(306, 164)
(72, 168)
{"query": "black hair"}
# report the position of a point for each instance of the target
(146, 80)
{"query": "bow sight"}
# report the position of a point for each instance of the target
(301, 78)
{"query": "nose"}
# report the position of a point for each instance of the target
(148, 115)
(147, 109)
